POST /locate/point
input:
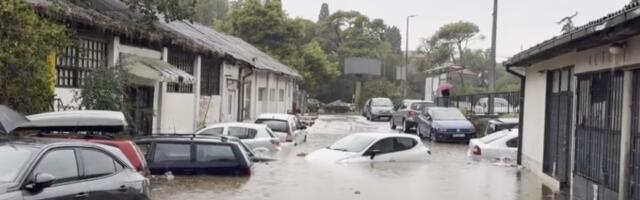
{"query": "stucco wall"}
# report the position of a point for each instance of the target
(178, 114)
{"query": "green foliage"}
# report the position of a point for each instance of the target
(393, 36)
(380, 88)
(324, 12)
(318, 68)
(457, 34)
(26, 43)
(206, 11)
(103, 89)
(171, 9)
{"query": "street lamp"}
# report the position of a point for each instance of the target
(406, 59)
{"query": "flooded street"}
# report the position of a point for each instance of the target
(449, 174)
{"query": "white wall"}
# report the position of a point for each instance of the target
(66, 96)
(178, 115)
(229, 89)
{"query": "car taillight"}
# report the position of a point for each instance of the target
(246, 171)
(476, 151)
(412, 113)
(275, 142)
(289, 138)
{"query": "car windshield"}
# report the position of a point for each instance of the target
(14, 158)
(448, 114)
(381, 102)
(274, 124)
(352, 143)
(421, 105)
(493, 137)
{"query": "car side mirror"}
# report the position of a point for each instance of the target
(303, 128)
(372, 154)
(40, 181)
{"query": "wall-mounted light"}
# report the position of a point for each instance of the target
(616, 48)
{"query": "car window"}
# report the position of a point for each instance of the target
(386, 145)
(263, 133)
(493, 137)
(448, 114)
(513, 143)
(172, 152)
(97, 163)
(214, 153)
(144, 149)
(62, 164)
(404, 144)
(381, 102)
(242, 133)
(213, 131)
(352, 143)
(420, 106)
(13, 159)
(274, 124)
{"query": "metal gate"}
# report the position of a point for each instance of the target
(634, 172)
(140, 99)
(557, 138)
(598, 128)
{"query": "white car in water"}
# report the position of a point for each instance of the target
(373, 147)
(257, 137)
(501, 145)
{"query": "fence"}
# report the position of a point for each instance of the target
(499, 103)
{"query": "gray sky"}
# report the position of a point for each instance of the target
(521, 23)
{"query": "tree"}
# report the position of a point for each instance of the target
(171, 9)
(206, 11)
(103, 89)
(458, 34)
(318, 68)
(27, 60)
(392, 34)
(324, 12)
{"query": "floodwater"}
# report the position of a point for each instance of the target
(448, 175)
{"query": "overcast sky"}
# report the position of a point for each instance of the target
(521, 23)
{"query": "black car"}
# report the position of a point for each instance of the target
(444, 124)
(195, 155)
(35, 168)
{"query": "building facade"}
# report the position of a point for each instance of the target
(581, 112)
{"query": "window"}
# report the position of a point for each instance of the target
(144, 149)
(210, 77)
(274, 124)
(352, 143)
(62, 164)
(404, 144)
(513, 143)
(272, 94)
(262, 94)
(242, 133)
(384, 145)
(281, 95)
(213, 131)
(13, 160)
(264, 133)
(74, 63)
(167, 152)
(214, 153)
(97, 164)
(183, 62)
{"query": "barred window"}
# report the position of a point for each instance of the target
(281, 95)
(210, 77)
(183, 62)
(73, 64)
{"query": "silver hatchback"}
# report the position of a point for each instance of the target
(257, 137)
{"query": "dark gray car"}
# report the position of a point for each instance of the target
(406, 114)
(377, 108)
(61, 169)
(445, 124)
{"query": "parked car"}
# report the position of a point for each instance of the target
(258, 137)
(373, 147)
(499, 124)
(88, 125)
(406, 113)
(44, 168)
(378, 108)
(500, 106)
(195, 155)
(286, 127)
(497, 146)
(337, 106)
(444, 124)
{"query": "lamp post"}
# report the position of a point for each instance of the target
(406, 59)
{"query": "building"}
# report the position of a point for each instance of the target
(580, 131)
(186, 75)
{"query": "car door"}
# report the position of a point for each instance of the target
(386, 148)
(174, 157)
(247, 136)
(424, 121)
(105, 176)
(215, 159)
(62, 163)
(512, 148)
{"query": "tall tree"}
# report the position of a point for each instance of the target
(324, 12)
(27, 61)
(392, 34)
(458, 34)
(206, 11)
(170, 9)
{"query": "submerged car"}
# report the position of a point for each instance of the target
(445, 124)
(373, 147)
(406, 114)
(257, 137)
(499, 124)
(378, 108)
(39, 168)
(286, 127)
(497, 146)
(195, 155)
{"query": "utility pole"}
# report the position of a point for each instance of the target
(492, 71)
(403, 70)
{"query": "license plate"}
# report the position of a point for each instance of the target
(458, 135)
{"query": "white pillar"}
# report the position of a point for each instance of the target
(197, 69)
(625, 138)
(161, 92)
(113, 52)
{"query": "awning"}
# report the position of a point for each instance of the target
(154, 69)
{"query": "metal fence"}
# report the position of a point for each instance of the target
(634, 173)
(598, 128)
(483, 104)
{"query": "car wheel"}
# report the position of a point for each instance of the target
(405, 127)
(393, 124)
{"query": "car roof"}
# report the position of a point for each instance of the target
(279, 116)
(186, 138)
(385, 135)
(237, 124)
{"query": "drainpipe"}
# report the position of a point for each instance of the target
(242, 93)
(521, 111)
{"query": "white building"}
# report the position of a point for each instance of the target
(186, 75)
(582, 108)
